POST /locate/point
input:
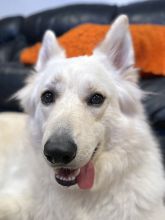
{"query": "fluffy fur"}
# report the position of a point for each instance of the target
(129, 182)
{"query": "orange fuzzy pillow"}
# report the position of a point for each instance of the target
(148, 41)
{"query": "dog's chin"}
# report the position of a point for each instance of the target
(83, 176)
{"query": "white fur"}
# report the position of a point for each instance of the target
(129, 182)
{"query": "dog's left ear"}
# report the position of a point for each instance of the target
(50, 49)
(117, 45)
(118, 48)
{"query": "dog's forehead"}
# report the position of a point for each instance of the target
(77, 69)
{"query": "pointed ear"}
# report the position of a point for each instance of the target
(117, 45)
(50, 48)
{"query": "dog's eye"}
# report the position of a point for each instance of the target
(96, 100)
(47, 97)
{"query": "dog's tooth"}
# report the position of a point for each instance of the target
(77, 172)
(73, 178)
(64, 178)
(70, 178)
(61, 177)
(58, 176)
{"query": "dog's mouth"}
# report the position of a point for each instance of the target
(83, 176)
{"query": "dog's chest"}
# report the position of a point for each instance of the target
(81, 206)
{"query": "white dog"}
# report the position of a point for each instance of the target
(89, 153)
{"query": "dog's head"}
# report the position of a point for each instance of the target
(78, 106)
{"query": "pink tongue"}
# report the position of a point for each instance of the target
(86, 177)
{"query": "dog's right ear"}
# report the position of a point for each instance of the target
(50, 49)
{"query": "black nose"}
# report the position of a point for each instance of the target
(60, 149)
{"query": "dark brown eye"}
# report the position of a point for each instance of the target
(48, 97)
(96, 100)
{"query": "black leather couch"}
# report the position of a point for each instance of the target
(18, 32)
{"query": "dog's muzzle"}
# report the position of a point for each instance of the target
(60, 151)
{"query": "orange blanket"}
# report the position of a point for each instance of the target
(148, 41)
